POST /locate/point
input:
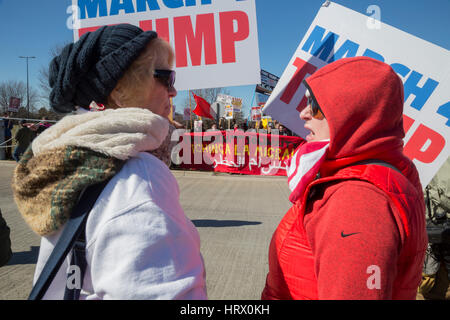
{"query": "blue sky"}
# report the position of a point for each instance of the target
(34, 27)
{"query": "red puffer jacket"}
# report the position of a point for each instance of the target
(359, 231)
(350, 226)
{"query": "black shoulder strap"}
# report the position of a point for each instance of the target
(71, 232)
(78, 259)
(378, 162)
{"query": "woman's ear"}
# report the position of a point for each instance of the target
(115, 97)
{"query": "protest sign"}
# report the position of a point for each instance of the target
(265, 120)
(236, 103)
(224, 98)
(268, 82)
(263, 90)
(229, 101)
(228, 112)
(256, 113)
(14, 104)
(198, 125)
(261, 99)
(210, 38)
(339, 32)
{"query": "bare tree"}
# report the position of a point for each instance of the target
(16, 89)
(43, 73)
(43, 82)
(209, 94)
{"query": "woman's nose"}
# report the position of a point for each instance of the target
(172, 92)
(305, 113)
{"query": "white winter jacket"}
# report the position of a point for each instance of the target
(140, 244)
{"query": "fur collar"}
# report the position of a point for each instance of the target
(79, 151)
(119, 133)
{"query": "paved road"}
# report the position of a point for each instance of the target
(235, 216)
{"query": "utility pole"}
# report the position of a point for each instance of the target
(216, 107)
(28, 92)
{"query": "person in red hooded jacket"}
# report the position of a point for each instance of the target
(356, 229)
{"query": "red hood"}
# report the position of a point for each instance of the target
(362, 99)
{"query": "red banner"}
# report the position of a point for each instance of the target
(236, 152)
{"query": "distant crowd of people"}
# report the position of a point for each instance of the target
(271, 128)
(23, 136)
(274, 127)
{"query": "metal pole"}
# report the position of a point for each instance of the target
(217, 112)
(28, 94)
(190, 110)
(28, 91)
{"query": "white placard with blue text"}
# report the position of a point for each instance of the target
(424, 68)
(215, 41)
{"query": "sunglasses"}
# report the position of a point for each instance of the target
(165, 77)
(316, 112)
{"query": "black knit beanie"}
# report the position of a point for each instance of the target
(89, 69)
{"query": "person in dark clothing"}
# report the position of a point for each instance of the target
(8, 125)
(23, 137)
(5, 242)
(282, 130)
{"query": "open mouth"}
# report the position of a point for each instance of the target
(311, 134)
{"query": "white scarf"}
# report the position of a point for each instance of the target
(119, 133)
(304, 166)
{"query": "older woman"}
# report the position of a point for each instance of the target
(139, 243)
